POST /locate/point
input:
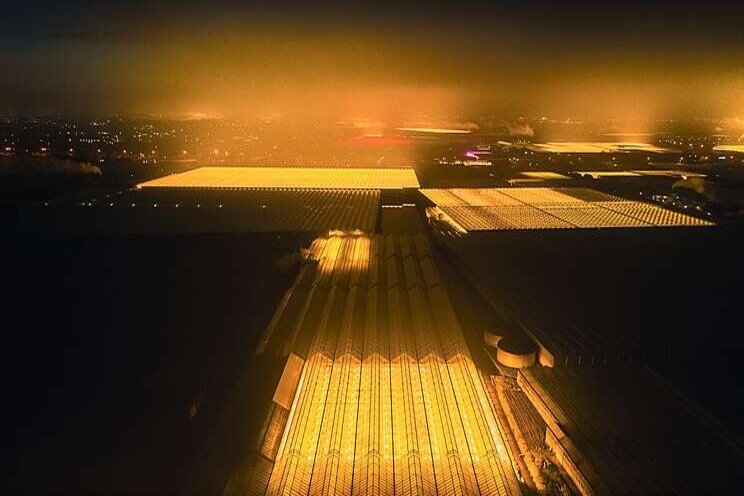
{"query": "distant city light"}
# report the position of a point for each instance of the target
(432, 130)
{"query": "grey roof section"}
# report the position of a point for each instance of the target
(629, 431)
(205, 211)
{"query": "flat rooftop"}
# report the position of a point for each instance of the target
(544, 175)
(497, 209)
(289, 177)
(594, 147)
(640, 173)
(729, 148)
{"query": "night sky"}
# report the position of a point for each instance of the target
(377, 60)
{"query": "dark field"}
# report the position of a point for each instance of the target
(128, 360)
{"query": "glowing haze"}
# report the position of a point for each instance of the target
(382, 62)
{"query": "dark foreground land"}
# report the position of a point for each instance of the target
(121, 354)
(128, 360)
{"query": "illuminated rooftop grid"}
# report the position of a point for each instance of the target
(469, 197)
(542, 196)
(503, 218)
(640, 173)
(601, 174)
(389, 400)
(729, 148)
(544, 175)
(288, 177)
(496, 209)
(652, 214)
(670, 173)
(432, 130)
(594, 147)
(500, 197)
